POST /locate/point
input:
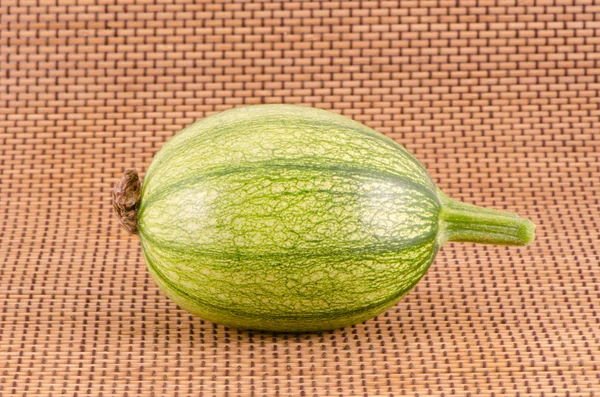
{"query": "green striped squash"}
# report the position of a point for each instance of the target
(289, 218)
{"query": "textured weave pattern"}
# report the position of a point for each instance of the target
(499, 100)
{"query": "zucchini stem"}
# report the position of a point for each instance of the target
(463, 222)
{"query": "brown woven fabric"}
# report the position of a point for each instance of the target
(499, 100)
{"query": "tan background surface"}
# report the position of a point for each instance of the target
(499, 100)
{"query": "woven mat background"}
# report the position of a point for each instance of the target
(499, 100)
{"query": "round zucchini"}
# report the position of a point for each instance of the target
(290, 218)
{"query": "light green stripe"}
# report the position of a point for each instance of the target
(360, 215)
(328, 252)
(280, 299)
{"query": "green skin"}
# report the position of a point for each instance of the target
(289, 218)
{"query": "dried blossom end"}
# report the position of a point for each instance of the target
(126, 199)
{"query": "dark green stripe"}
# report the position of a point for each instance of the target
(336, 313)
(281, 120)
(351, 172)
